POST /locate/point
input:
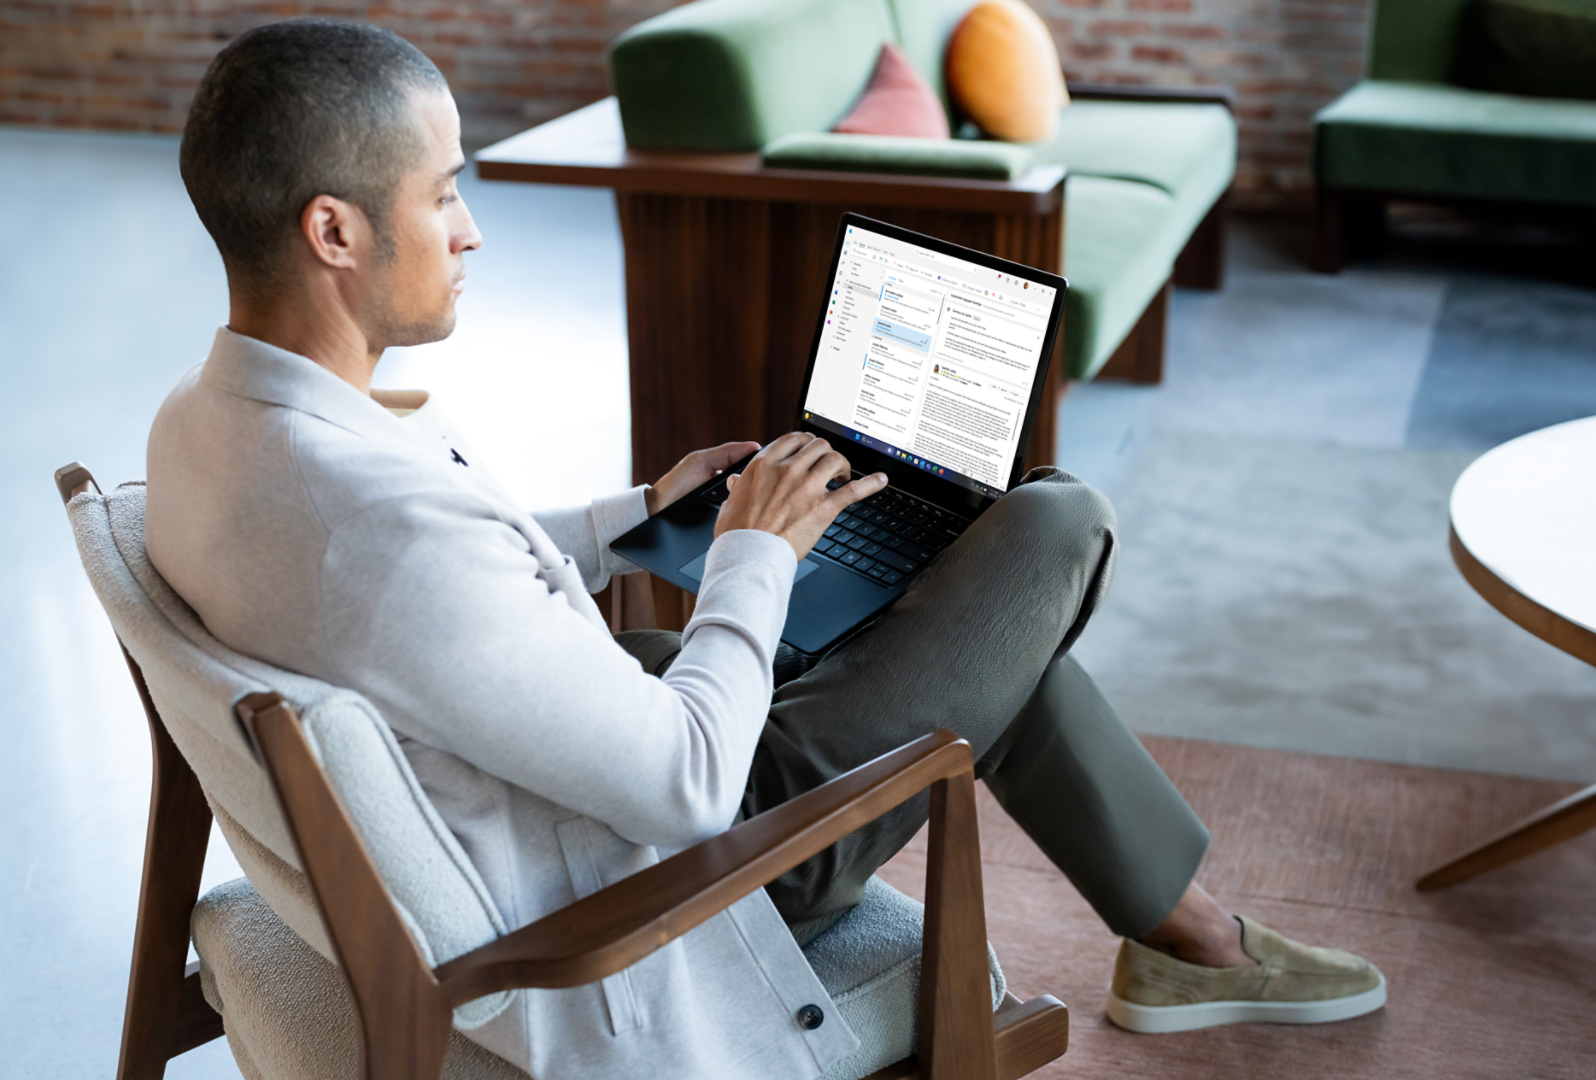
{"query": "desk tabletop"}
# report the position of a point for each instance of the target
(587, 148)
(1526, 512)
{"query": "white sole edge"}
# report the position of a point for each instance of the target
(1164, 1019)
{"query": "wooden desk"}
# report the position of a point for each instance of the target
(1524, 535)
(726, 264)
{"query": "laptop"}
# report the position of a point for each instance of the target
(928, 365)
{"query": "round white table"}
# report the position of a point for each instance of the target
(1524, 536)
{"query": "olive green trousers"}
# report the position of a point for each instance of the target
(979, 645)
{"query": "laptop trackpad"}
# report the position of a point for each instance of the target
(695, 569)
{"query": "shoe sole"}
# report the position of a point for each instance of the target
(1163, 1019)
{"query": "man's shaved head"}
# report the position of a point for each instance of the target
(294, 110)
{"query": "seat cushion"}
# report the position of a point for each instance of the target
(869, 963)
(286, 1010)
(734, 74)
(288, 1014)
(1121, 238)
(976, 159)
(1431, 139)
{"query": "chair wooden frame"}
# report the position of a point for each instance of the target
(404, 1006)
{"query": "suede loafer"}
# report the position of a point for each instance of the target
(1292, 983)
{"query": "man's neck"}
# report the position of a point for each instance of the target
(314, 326)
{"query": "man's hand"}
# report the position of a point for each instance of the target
(695, 469)
(783, 491)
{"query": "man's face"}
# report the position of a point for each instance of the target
(428, 232)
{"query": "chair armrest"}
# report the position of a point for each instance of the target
(1184, 95)
(616, 927)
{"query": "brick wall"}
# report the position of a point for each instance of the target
(1283, 58)
(132, 64)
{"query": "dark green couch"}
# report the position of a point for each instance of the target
(1407, 132)
(774, 75)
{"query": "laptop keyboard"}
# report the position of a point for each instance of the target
(887, 537)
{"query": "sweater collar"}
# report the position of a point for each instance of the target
(250, 368)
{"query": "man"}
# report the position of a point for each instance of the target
(312, 528)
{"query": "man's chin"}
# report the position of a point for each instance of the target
(423, 333)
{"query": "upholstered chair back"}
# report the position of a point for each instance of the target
(195, 681)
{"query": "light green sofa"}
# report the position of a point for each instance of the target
(1144, 172)
(1406, 132)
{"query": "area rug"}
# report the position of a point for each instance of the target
(1301, 596)
(1493, 979)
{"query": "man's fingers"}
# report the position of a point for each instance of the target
(719, 458)
(859, 489)
(787, 445)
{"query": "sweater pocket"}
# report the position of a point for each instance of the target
(596, 857)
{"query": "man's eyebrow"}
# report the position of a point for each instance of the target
(450, 174)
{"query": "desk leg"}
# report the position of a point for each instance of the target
(1561, 821)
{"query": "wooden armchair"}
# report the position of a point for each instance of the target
(404, 1006)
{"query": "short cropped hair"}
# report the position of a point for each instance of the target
(293, 110)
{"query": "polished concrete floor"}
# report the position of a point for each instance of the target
(109, 289)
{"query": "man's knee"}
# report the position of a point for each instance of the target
(1059, 517)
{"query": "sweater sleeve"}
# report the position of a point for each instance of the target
(434, 608)
(586, 532)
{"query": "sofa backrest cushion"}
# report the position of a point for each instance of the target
(1414, 40)
(923, 28)
(1534, 48)
(732, 75)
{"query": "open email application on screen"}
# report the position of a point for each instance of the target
(930, 355)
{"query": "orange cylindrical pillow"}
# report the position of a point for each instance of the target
(1003, 71)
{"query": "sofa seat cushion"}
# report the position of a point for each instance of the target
(1185, 149)
(1433, 139)
(1121, 238)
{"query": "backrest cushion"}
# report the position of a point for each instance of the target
(923, 28)
(897, 101)
(732, 75)
(1003, 72)
(195, 681)
(1537, 48)
(1414, 40)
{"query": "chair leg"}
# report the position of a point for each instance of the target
(1140, 357)
(166, 1013)
(1201, 264)
(1561, 821)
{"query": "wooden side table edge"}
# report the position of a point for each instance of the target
(1543, 622)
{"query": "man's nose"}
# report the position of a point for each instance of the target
(469, 238)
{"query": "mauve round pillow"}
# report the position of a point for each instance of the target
(897, 101)
(1003, 71)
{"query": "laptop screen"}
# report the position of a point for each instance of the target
(929, 358)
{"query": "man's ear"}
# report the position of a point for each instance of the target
(337, 231)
